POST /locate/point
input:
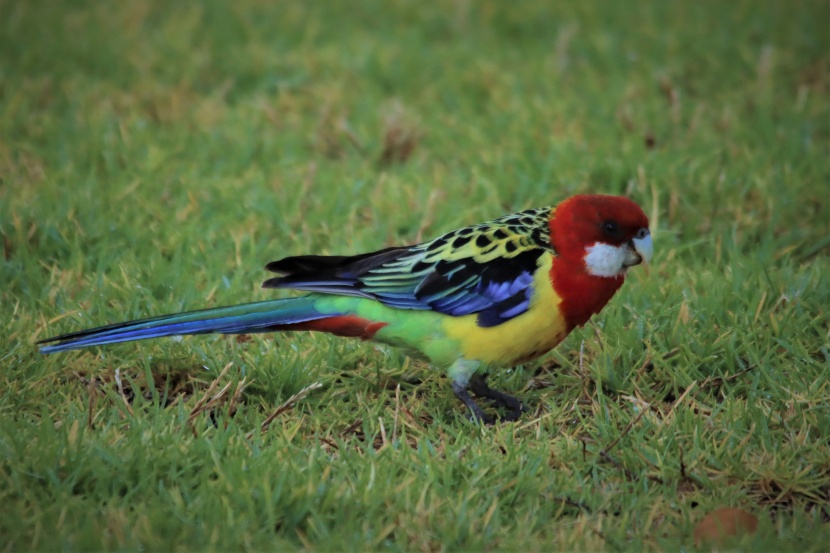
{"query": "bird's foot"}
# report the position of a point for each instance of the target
(477, 413)
(478, 384)
(479, 387)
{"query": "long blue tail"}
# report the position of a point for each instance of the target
(237, 319)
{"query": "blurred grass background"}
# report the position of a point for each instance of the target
(155, 156)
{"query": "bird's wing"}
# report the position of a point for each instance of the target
(485, 269)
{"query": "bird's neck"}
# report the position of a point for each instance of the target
(582, 294)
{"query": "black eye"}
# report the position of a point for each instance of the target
(611, 228)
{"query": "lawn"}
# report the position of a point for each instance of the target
(154, 156)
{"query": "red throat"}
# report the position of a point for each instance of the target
(583, 295)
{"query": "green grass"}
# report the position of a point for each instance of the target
(155, 156)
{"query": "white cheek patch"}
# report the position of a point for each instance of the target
(604, 260)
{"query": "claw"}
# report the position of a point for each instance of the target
(479, 387)
(478, 413)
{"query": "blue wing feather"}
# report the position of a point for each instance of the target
(485, 269)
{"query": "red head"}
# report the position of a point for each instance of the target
(596, 239)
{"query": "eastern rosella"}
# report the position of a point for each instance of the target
(491, 295)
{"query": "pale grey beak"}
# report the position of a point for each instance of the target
(641, 249)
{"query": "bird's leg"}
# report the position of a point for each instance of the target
(478, 384)
(460, 391)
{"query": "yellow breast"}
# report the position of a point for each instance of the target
(520, 339)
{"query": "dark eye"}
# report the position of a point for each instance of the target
(611, 228)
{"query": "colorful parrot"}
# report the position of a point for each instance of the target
(486, 296)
